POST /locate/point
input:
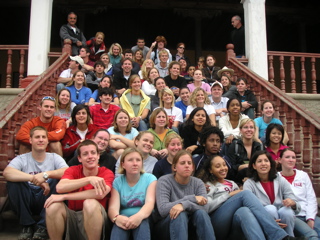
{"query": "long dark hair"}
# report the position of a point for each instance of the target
(270, 128)
(253, 172)
(76, 109)
(189, 122)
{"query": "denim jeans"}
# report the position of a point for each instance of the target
(140, 233)
(177, 229)
(286, 215)
(27, 200)
(245, 212)
(142, 126)
(301, 228)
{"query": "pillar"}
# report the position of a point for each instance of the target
(39, 38)
(255, 36)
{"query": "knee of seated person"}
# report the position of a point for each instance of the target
(55, 208)
(286, 212)
(272, 210)
(91, 206)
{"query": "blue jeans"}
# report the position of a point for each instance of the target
(245, 212)
(301, 228)
(142, 232)
(178, 228)
(142, 126)
(286, 215)
(27, 200)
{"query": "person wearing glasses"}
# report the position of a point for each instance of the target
(72, 33)
(55, 126)
(80, 93)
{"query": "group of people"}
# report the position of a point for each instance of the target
(167, 151)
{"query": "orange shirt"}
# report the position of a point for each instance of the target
(56, 129)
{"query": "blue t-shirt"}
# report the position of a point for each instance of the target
(81, 96)
(134, 132)
(183, 108)
(263, 126)
(133, 198)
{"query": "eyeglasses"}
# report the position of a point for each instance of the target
(48, 98)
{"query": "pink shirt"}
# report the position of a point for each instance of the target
(204, 86)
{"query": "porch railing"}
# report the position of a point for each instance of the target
(23, 108)
(303, 127)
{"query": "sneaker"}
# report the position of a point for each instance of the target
(41, 234)
(26, 233)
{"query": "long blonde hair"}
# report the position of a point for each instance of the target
(193, 96)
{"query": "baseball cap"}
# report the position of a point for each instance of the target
(216, 83)
(78, 59)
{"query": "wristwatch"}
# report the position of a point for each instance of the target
(45, 176)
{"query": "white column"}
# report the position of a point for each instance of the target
(256, 37)
(39, 36)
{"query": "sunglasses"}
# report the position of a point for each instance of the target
(48, 98)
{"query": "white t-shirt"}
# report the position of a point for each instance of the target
(209, 109)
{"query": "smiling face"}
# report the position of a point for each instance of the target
(105, 82)
(225, 81)
(79, 78)
(153, 74)
(145, 143)
(268, 110)
(191, 71)
(105, 99)
(174, 146)
(72, 19)
(102, 140)
(216, 91)
(185, 95)
(164, 57)
(200, 97)
(175, 70)
(160, 84)
(99, 39)
(89, 157)
(262, 165)
(234, 107)
(64, 97)
(167, 98)
(161, 119)
(149, 63)
(197, 76)
(184, 167)
(199, 118)
(81, 117)
(47, 109)
(183, 64)
(122, 120)
(127, 66)
(288, 160)
(247, 131)
(241, 86)
(39, 140)
(138, 55)
(210, 61)
(180, 49)
(105, 59)
(115, 50)
(132, 163)
(275, 136)
(219, 168)
(136, 84)
(140, 43)
(160, 45)
(213, 144)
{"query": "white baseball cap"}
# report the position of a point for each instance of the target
(78, 59)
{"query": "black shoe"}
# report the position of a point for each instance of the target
(26, 233)
(41, 234)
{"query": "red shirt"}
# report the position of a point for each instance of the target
(103, 119)
(290, 178)
(76, 172)
(269, 188)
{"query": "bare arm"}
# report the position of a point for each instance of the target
(14, 175)
(213, 119)
(150, 50)
(63, 80)
(69, 185)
